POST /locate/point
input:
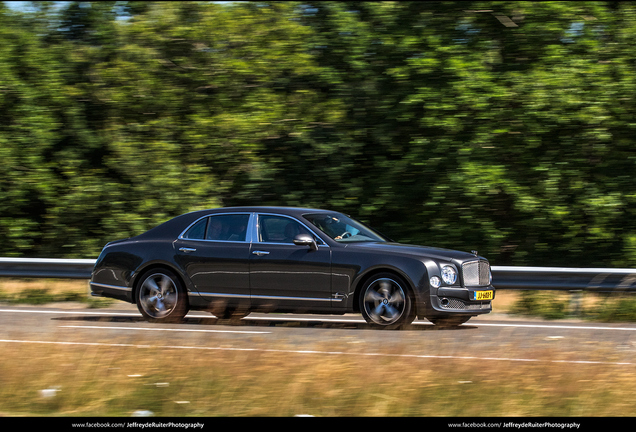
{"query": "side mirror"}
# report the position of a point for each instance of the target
(305, 240)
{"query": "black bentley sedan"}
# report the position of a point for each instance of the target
(232, 261)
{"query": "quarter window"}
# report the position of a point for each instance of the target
(197, 232)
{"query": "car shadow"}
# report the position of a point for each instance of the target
(277, 321)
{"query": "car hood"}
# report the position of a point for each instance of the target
(413, 250)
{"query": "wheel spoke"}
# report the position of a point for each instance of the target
(165, 285)
(397, 296)
(152, 285)
(392, 312)
(158, 296)
(160, 306)
(146, 302)
(378, 311)
(385, 287)
(170, 300)
(373, 296)
(384, 302)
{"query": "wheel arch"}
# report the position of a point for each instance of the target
(137, 277)
(364, 278)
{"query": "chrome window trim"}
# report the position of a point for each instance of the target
(251, 235)
(248, 236)
(319, 241)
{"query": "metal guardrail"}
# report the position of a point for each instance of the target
(513, 278)
(564, 279)
(46, 268)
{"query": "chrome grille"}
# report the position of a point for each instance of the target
(460, 304)
(455, 304)
(476, 273)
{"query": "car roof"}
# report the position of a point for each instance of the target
(176, 225)
(267, 209)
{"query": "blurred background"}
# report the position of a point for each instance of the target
(505, 127)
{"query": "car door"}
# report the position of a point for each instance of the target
(284, 276)
(214, 253)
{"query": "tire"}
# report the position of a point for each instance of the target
(161, 297)
(386, 302)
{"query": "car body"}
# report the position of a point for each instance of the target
(235, 260)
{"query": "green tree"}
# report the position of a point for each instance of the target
(499, 126)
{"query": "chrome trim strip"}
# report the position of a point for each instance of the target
(319, 244)
(206, 294)
(264, 297)
(110, 286)
(214, 241)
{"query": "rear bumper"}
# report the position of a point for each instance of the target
(110, 291)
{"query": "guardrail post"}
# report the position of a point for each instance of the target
(575, 302)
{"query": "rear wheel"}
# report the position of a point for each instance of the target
(385, 302)
(161, 297)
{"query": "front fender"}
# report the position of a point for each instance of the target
(413, 271)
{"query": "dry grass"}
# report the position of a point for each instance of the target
(42, 291)
(54, 286)
(116, 381)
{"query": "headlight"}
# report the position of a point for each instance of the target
(435, 282)
(449, 275)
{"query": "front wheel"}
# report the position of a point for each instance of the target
(161, 297)
(385, 302)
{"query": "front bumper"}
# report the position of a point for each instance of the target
(459, 300)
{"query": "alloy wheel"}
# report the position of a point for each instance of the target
(385, 302)
(158, 296)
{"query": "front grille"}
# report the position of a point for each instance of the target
(476, 273)
(458, 304)
(455, 304)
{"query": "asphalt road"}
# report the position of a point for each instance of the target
(491, 338)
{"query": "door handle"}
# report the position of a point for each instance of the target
(186, 250)
(260, 253)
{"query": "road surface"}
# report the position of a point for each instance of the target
(492, 338)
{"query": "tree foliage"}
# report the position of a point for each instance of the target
(505, 127)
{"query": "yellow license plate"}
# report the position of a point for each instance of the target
(484, 295)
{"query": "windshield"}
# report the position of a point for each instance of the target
(343, 229)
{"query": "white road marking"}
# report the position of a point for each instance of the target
(164, 329)
(71, 312)
(417, 356)
(551, 326)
